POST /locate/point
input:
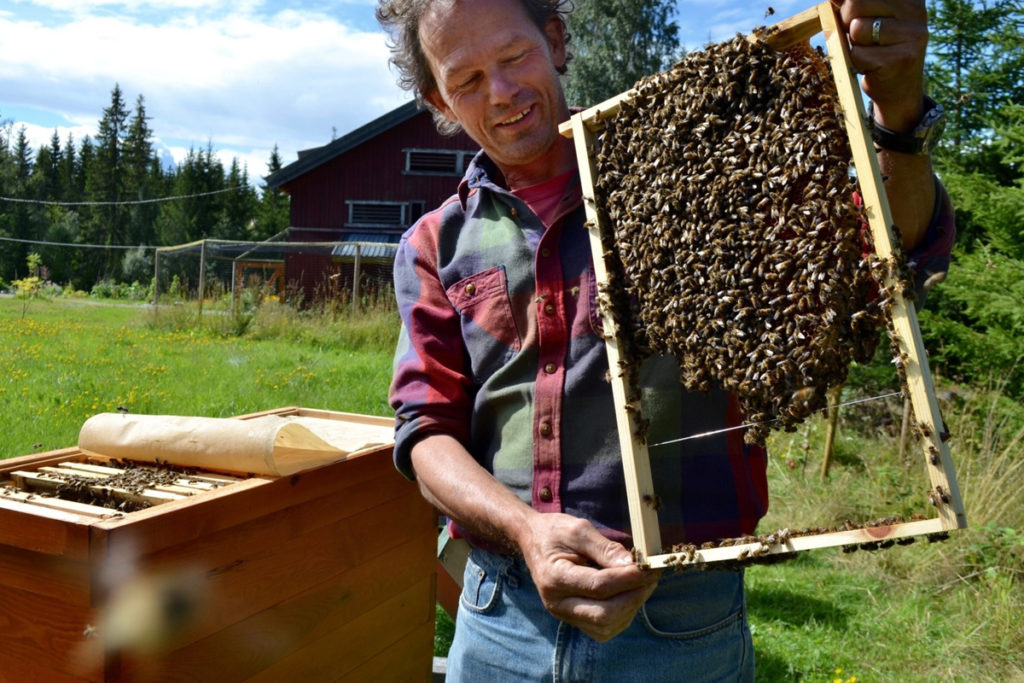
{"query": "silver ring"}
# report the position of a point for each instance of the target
(876, 30)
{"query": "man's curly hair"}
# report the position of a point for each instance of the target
(401, 20)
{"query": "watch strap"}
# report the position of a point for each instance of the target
(920, 140)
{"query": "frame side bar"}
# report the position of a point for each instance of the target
(636, 461)
(904, 316)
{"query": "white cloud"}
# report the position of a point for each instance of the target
(39, 136)
(219, 74)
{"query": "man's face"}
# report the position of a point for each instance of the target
(496, 75)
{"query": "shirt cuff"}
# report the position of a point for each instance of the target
(930, 259)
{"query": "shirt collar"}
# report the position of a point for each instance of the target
(482, 171)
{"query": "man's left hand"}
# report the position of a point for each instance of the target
(888, 39)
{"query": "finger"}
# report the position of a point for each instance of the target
(599, 584)
(588, 542)
(906, 10)
(883, 31)
(603, 619)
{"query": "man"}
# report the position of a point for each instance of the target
(503, 414)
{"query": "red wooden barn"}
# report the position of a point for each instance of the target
(366, 187)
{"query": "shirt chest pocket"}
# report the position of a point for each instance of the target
(488, 326)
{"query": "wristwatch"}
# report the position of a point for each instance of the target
(921, 140)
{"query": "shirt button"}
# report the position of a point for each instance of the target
(514, 211)
(545, 495)
(545, 429)
(545, 252)
(550, 368)
(471, 289)
(549, 309)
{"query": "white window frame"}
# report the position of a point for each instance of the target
(403, 213)
(461, 157)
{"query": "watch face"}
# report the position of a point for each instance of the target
(933, 116)
(930, 128)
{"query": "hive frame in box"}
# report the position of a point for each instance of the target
(582, 127)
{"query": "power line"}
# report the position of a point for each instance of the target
(45, 202)
(72, 244)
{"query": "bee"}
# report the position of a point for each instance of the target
(653, 501)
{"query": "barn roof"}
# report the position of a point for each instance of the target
(311, 158)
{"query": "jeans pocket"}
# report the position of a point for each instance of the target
(665, 626)
(481, 587)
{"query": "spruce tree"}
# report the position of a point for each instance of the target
(141, 182)
(273, 214)
(105, 182)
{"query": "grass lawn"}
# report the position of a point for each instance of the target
(928, 612)
(69, 359)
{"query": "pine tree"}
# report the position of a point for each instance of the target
(273, 214)
(141, 181)
(19, 222)
(238, 205)
(68, 170)
(615, 43)
(975, 69)
(105, 182)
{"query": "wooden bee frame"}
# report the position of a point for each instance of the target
(582, 127)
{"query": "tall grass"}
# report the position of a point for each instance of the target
(927, 612)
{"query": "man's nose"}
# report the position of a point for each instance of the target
(503, 88)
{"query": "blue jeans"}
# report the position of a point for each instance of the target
(693, 628)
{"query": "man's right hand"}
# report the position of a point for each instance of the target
(583, 578)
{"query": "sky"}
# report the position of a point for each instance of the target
(238, 75)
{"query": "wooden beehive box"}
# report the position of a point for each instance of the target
(327, 574)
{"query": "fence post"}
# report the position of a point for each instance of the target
(156, 280)
(355, 279)
(202, 278)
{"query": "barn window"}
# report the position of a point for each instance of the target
(385, 214)
(436, 161)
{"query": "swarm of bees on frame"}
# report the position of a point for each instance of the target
(738, 246)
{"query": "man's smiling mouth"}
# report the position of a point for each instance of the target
(518, 117)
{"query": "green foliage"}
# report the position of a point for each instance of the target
(137, 265)
(109, 289)
(975, 65)
(30, 287)
(444, 631)
(974, 323)
(994, 547)
(272, 216)
(615, 43)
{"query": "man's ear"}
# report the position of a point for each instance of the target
(555, 32)
(436, 101)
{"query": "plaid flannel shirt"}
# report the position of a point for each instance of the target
(500, 348)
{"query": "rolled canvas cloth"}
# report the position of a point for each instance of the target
(270, 445)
